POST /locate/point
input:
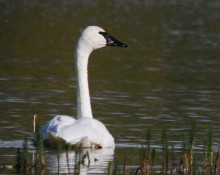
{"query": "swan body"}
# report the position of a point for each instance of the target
(56, 124)
(85, 131)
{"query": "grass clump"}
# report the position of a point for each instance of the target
(165, 156)
(184, 163)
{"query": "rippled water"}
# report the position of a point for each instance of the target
(168, 76)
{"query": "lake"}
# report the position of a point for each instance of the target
(167, 77)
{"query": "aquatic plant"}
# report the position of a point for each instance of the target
(149, 155)
(209, 152)
(192, 134)
(165, 151)
(113, 168)
(110, 168)
(40, 148)
(153, 158)
(124, 166)
(148, 139)
(58, 155)
(18, 165)
(23, 159)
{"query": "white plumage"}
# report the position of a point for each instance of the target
(85, 131)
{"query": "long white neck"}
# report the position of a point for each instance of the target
(83, 98)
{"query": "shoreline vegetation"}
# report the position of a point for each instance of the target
(29, 161)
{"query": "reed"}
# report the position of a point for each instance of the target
(110, 168)
(58, 155)
(116, 170)
(144, 160)
(153, 158)
(23, 161)
(148, 139)
(25, 157)
(39, 161)
(209, 152)
(67, 150)
(167, 155)
(40, 149)
(173, 159)
(173, 155)
(124, 166)
(113, 168)
(164, 143)
(164, 139)
(77, 160)
(217, 162)
(148, 156)
(184, 145)
(18, 165)
(192, 134)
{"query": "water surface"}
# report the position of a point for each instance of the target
(168, 76)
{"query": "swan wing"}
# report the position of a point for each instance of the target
(54, 139)
(55, 124)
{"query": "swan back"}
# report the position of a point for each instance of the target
(56, 123)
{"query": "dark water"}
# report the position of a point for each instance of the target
(168, 76)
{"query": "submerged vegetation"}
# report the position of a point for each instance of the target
(163, 159)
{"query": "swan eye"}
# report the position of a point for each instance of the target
(104, 34)
(111, 41)
(107, 37)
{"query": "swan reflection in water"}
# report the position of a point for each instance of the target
(99, 161)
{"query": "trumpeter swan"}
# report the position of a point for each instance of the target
(85, 131)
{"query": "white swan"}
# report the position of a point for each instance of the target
(85, 131)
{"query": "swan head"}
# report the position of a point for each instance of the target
(94, 37)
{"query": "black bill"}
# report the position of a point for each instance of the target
(111, 41)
